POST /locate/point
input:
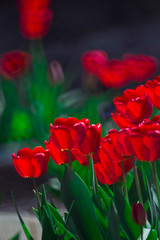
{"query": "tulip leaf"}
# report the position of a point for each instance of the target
(55, 170)
(124, 211)
(36, 213)
(153, 235)
(60, 224)
(114, 223)
(83, 213)
(48, 231)
(149, 234)
(15, 237)
(25, 229)
(106, 200)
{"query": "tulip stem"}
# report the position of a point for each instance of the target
(124, 181)
(154, 171)
(94, 179)
(88, 159)
(70, 159)
(137, 180)
(37, 197)
(141, 232)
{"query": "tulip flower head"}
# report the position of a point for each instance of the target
(133, 106)
(93, 60)
(31, 163)
(139, 214)
(153, 90)
(35, 18)
(14, 64)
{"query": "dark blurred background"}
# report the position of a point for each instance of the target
(114, 26)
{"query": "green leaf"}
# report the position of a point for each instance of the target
(36, 213)
(149, 234)
(55, 170)
(60, 224)
(114, 223)
(48, 230)
(83, 213)
(153, 235)
(105, 198)
(124, 211)
(15, 237)
(25, 229)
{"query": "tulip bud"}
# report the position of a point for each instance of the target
(138, 214)
(56, 72)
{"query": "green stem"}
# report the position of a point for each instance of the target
(153, 166)
(141, 232)
(124, 182)
(94, 179)
(88, 159)
(70, 159)
(137, 181)
(37, 198)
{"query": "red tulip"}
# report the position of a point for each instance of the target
(134, 105)
(121, 121)
(114, 74)
(58, 156)
(121, 141)
(140, 67)
(153, 90)
(108, 167)
(68, 134)
(145, 141)
(103, 176)
(35, 24)
(92, 60)
(35, 18)
(138, 214)
(34, 5)
(91, 142)
(14, 64)
(31, 163)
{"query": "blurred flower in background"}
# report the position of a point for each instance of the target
(14, 64)
(35, 18)
(117, 73)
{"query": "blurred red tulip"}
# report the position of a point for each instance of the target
(34, 5)
(92, 60)
(139, 214)
(14, 64)
(140, 67)
(35, 24)
(114, 74)
(31, 163)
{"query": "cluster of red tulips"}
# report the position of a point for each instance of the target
(72, 139)
(115, 72)
(35, 18)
